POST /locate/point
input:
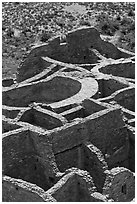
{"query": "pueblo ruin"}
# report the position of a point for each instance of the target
(69, 123)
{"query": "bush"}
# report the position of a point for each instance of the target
(45, 36)
(85, 23)
(131, 13)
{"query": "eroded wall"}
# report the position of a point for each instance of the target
(60, 115)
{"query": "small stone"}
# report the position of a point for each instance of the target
(17, 33)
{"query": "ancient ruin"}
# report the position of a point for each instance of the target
(69, 123)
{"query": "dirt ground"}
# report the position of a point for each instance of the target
(26, 24)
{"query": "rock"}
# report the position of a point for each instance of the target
(17, 33)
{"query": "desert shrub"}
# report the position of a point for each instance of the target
(85, 23)
(131, 13)
(45, 36)
(109, 27)
(126, 21)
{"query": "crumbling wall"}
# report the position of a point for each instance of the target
(119, 157)
(7, 82)
(6, 126)
(85, 38)
(10, 113)
(51, 123)
(15, 190)
(92, 106)
(75, 186)
(131, 134)
(120, 184)
(56, 89)
(109, 86)
(79, 49)
(98, 197)
(122, 69)
(69, 158)
(77, 112)
(21, 160)
(41, 119)
(84, 188)
(43, 146)
(95, 164)
(93, 128)
(66, 192)
(126, 98)
(36, 65)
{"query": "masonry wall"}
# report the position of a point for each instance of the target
(110, 86)
(94, 128)
(13, 193)
(91, 106)
(20, 159)
(36, 65)
(41, 119)
(131, 133)
(126, 98)
(7, 82)
(123, 70)
(116, 155)
(67, 192)
(120, 184)
(17, 190)
(56, 89)
(6, 126)
(83, 190)
(95, 164)
(102, 129)
(75, 186)
(69, 158)
(10, 113)
(40, 147)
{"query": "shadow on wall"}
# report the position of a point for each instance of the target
(122, 70)
(107, 87)
(21, 161)
(40, 119)
(77, 48)
(58, 88)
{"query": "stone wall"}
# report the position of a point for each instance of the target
(66, 115)
(69, 158)
(21, 159)
(123, 70)
(120, 184)
(95, 164)
(15, 190)
(41, 119)
(56, 89)
(75, 186)
(93, 128)
(7, 126)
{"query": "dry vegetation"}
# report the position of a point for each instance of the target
(26, 24)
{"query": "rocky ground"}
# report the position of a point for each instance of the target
(27, 24)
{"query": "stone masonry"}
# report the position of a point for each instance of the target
(69, 123)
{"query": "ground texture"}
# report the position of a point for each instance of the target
(26, 24)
